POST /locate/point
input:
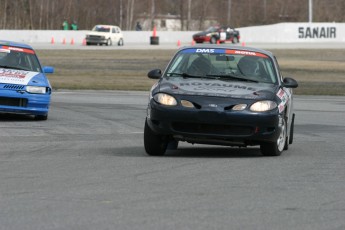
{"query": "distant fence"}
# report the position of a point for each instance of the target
(277, 33)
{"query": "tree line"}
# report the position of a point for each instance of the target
(49, 14)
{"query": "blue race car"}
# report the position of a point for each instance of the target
(220, 95)
(24, 88)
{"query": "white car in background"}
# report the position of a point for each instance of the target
(105, 34)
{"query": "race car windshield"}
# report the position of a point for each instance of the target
(19, 61)
(223, 64)
(101, 29)
(211, 29)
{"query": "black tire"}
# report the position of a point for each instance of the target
(172, 145)
(235, 40)
(88, 43)
(109, 42)
(292, 129)
(213, 40)
(41, 117)
(155, 145)
(120, 43)
(276, 148)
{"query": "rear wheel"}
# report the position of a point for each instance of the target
(235, 40)
(276, 148)
(155, 145)
(120, 43)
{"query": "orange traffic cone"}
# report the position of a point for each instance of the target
(243, 44)
(64, 41)
(178, 43)
(72, 41)
(154, 33)
(52, 41)
(218, 42)
(84, 42)
(193, 42)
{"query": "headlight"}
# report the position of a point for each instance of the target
(165, 99)
(262, 106)
(239, 107)
(187, 104)
(36, 89)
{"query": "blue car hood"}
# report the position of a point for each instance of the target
(22, 77)
(206, 87)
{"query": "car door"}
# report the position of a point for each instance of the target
(117, 34)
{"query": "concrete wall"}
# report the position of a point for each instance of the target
(277, 33)
(295, 33)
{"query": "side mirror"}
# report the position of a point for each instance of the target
(155, 74)
(290, 83)
(48, 69)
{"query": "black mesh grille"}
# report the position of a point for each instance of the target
(14, 87)
(212, 129)
(8, 101)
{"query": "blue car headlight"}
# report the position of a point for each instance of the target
(36, 89)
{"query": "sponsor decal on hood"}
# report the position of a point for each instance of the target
(217, 88)
(19, 77)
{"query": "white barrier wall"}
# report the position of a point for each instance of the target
(277, 33)
(294, 33)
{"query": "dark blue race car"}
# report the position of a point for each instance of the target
(220, 95)
(24, 88)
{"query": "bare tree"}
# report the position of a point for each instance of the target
(49, 14)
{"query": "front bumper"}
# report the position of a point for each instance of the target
(214, 126)
(200, 39)
(24, 103)
(96, 40)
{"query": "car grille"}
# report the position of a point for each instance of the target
(13, 87)
(198, 128)
(9, 101)
(95, 36)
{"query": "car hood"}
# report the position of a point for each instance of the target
(22, 77)
(98, 33)
(206, 87)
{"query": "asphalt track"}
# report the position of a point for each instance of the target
(86, 168)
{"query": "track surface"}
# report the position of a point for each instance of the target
(86, 168)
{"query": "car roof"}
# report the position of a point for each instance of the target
(106, 25)
(232, 47)
(16, 44)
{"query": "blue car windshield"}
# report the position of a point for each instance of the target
(223, 64)
(19, 59)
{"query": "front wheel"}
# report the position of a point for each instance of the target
(276, 148)
(109, 43)
(213, 40)
(41, 117)
(155, 144)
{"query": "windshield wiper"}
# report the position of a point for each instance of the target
(11, 67)
(185, 75)
(230, 77)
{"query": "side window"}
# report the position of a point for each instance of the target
(113, 30)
